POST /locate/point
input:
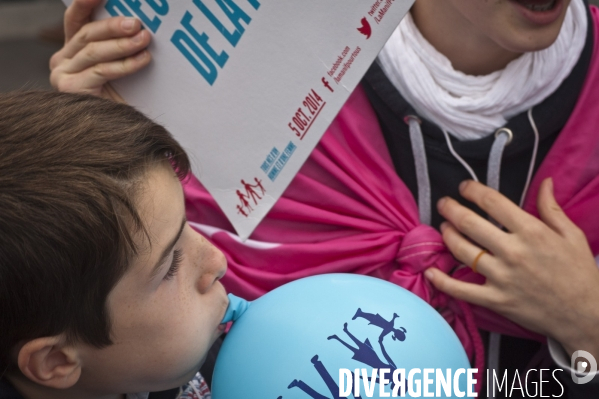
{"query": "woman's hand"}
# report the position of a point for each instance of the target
(539, 273)
(97, 52)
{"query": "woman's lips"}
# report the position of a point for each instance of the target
(540, 17)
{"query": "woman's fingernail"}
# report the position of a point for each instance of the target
(443, 226)
(128, 23)
(463, 185)
(429, 274)
(441, 202)
(141, 55)
(550, 184)
(138, 38)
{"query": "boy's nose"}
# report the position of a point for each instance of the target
(212, 270)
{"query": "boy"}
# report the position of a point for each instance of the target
(105, 290)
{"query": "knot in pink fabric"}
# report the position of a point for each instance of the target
(420, 248)
(423, 247)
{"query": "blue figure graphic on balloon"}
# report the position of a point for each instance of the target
(387, 326)
(326, 377)
(363, 353)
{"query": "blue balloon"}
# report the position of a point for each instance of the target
(292, 342)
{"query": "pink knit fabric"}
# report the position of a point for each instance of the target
(347, 211)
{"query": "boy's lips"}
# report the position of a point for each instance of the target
(540, 12)
(225, 304)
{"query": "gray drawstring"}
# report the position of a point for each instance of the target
(493, 172)
(422, 178)
(503, 137)
(458, 157)
(533, 160)
(493, 360)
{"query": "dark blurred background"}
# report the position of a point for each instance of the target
(30, 32)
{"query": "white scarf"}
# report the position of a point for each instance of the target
(472, 107)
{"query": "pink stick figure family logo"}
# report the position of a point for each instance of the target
(251, 195)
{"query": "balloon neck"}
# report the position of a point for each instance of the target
(237, 307)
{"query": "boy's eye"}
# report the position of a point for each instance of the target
(172, 270)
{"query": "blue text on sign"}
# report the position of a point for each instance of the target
(192, 42)
(282, 161)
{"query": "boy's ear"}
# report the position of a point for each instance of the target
(48, 362)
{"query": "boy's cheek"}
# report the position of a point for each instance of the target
(141, 365)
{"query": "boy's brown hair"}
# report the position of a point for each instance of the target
(69, 168)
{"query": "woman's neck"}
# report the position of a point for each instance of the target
(469, 50)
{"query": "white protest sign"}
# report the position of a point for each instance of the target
(248, 87)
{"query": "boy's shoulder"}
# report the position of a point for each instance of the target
(197, 388)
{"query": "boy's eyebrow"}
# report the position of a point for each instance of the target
(168, 249)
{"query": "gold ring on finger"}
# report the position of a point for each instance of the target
(481, 253)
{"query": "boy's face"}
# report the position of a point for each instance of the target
(508, 23)
(166, 310)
